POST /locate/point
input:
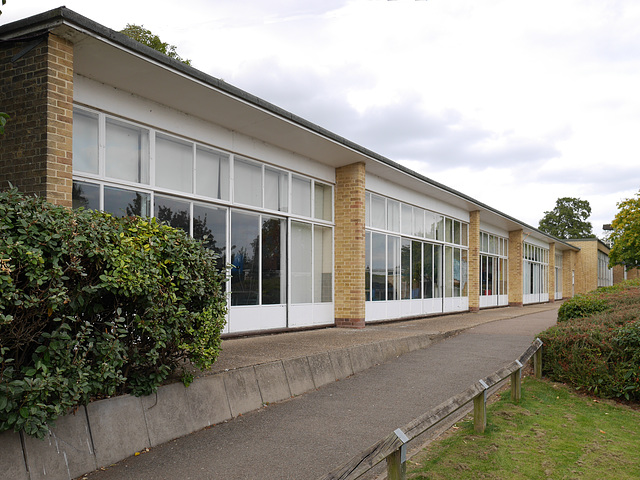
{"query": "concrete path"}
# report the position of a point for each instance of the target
(310, 435)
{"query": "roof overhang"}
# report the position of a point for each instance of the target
(114, 59)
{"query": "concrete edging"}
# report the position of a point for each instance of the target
(109, 430)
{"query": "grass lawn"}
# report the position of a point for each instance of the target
(552, 434)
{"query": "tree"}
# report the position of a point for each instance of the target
(568, 219)
(146, 37)
(625, 234)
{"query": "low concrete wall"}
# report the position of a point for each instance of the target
(107, 431)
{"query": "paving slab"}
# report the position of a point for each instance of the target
(11, 456)
(118, 428)
(208, 401)
(299, 375)
(66, 452)
(242, 390)
(272, 381)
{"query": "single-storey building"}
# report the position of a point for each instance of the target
(319, 230)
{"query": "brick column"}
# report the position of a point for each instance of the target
(474, 261)
(37, 92)
(516, 239)
(568, 268)
(350, 246)
(552, 273)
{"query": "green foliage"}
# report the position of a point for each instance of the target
(148, 38)
(581, 306)
(94, 306)
(568, 219)
(601, 352)
(626, 234)
(3, 120)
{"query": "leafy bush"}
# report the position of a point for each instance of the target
(581, 306)
(599, 353)
(94, 306)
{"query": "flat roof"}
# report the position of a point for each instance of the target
(115, 59)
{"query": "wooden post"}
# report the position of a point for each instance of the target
(480, 410)
(537, 363)
(397, 461)
(516, 384)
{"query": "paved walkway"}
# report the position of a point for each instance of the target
(310, 435)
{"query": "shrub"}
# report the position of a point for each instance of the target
(601, 352)
(581, 306)
(94, 306)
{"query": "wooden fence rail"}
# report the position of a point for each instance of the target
(393, 447)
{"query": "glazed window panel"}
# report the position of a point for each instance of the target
(126, 203)
(301, 262)
(416, 269)
(431, 225)
(301, 196)
(406, 217)
(448, 230)
(367, 266)
(418, 222)
(378, 267)
(85, 142)
(448, 272)
(247, 183)
(464, 234)
(245, 245)
(393, 215)
(276, 189)
(378, 212)
(212, 173)
(405, 269)
(126, 152)
(210, 226)
(457, 275)
(273, 260)
(393, 268)
(464, 273)
(367, 209)
(172, 211)
(323, 201)
(427, 282)
(456, 233)
(437, 271)
(174, 164)
(323, 264)
(85, 195)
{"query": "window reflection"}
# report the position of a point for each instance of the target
(273, 261)
(210, 226)
(86, 195)
(173, 212)
(127, 152)
(122, 203)
(245, 232)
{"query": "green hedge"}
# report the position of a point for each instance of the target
(599, 353)
(93, 306)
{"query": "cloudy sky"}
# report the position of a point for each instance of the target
(513, 102)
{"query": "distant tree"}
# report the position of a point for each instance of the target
(142, 35)
(568, 219)
(625, 234)
(3, 120)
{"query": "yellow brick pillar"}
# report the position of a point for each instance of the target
(39, 133)
(516, 239)
(552, 273)
(474, 261)
(568, 273)
(350, 246)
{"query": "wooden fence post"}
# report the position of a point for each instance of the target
(516, 384)
(537, 362)
(397, 461)
(480, 410)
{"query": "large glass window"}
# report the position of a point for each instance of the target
(173, 211)
(174, 164)
(393, 215)
(378, 267)
(301, 196)
(322, 264)
(126, 203)
(393, 268)
(276, 189)
(210, 226)
(247, 184)
(427, 282)
(212, 173)
(416, 269)
(273, 260)
(245, 236)
(301, 263)
(378, 212)
(323, 201)
(86, 195)
(127, 152)
(85, 141)
(405, 269)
